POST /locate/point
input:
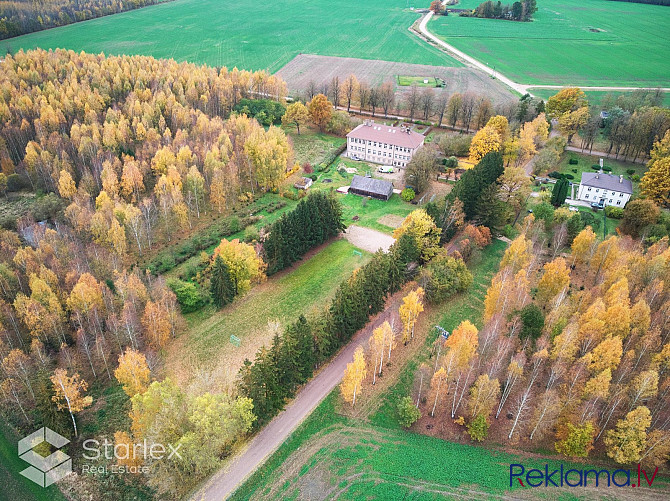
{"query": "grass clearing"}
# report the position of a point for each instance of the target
(236, 34)
(406, 81)
(558, 47)
(302, 289)
(313, 146)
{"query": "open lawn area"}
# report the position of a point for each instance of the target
(302, 289)
(232, 34)
(406, 81)
(313, 146)
(569, 42)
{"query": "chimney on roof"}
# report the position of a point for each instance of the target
(621, 178)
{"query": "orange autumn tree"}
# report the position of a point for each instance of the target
(320, 111)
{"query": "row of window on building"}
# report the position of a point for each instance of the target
(380, 145)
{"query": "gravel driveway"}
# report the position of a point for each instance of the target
(368, 239)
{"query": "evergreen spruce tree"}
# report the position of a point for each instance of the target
(560, 192)
(222, 287)
(474, 182)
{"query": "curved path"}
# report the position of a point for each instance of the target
(515, 86)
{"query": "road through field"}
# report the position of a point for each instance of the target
(515, 86)
(241, 466)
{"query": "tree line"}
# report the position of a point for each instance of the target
(314, 220)
(518, 11)
(18, 17)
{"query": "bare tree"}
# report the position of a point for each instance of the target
(350, 86)
(412, 100)
(484, 112)
(311, 90)
(467, 109)
(441, 106)
(363, 95)
(454, 109)
(387, 97)
(427, 102)
(335, 91)
(374, 99)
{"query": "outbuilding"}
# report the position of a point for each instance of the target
(367, 186)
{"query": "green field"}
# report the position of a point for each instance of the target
(630, 47)
(594, 97)
(242, 34)
(405, 81)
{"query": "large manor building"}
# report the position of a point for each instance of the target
(383, 144)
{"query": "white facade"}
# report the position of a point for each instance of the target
(605, 189)
(383, 145)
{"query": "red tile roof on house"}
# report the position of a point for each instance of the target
(387, 134)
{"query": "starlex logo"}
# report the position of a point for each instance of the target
(44, 471)
(578, 478)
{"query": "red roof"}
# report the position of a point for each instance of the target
(387, 134)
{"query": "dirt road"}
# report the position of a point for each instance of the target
(224, 483)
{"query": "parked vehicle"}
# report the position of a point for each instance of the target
(598, 205)
(386, 169)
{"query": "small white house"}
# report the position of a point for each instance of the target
(605, 189)
(303, 184)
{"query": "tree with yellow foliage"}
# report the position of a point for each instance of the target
(68, 393)
(353, 378)
(133, 372)
(655, 184)
(244, 265)
(66, 186)
(421, 226)
(555, 280)
(269, 153)
(125, 452)
(518, 254)
(296, 114)
(156, 324)
(566, 100)
(411, 307)
(570, 122)
(583, 246)
(486, 140)
(626, 443)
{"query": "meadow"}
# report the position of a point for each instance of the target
(302, 289)
(570, 42)
(240, 34)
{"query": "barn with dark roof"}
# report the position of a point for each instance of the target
(371, 187)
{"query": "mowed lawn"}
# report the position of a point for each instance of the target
(303, 289)
(570, 42)
(248, 35)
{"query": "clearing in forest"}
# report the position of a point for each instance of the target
(253, 318)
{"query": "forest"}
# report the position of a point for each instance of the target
(123, 153)
(18, 17)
